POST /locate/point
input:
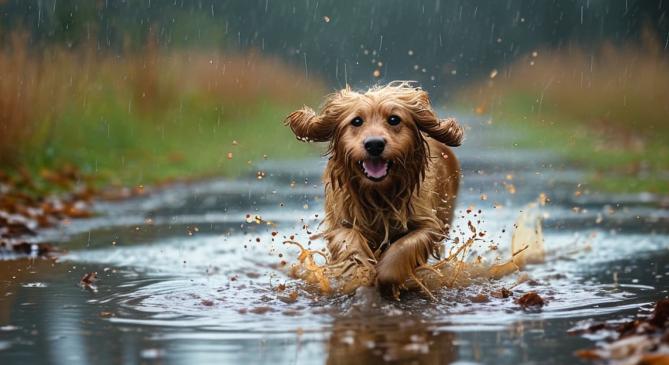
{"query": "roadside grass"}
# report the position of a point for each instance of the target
(192, 141)
(605, 110)
(140, 118)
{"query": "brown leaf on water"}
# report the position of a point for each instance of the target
(637, 341)
(88, 281)
(502, 293)
(530, 300)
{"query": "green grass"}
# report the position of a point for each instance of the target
(612, 164)
(117, 145)
(143, 117)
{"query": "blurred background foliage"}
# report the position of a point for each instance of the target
(139, 91)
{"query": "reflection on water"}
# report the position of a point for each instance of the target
(355, 340)
(185, 277)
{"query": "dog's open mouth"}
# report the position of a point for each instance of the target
(375, 169)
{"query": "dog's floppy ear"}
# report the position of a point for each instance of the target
(308, 126)
(446, 131)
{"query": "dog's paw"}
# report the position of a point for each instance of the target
(389, 290)
(389, 278)
(351, 273)
(387, 273)
(395, 266)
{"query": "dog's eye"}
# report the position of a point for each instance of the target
(357, 122)
(394, 120)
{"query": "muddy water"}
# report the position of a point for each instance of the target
(189, 275)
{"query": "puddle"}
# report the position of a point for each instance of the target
(184, 276)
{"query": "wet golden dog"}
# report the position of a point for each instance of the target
(390, 182)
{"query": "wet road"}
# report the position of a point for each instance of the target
(188, 275)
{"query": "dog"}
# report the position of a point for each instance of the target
(391, 180)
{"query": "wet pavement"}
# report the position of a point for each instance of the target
(193, 274)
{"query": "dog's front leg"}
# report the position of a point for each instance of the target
(404, 256)
(351, 260)
(346, 243)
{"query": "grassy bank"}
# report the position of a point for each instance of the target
(142, 117)
(605, 109)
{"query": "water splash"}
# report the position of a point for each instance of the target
(459, 269)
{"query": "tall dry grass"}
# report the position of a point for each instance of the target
(29, 94)
(622, 88)
(38, 86)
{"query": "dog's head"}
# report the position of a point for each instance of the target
(376, 137)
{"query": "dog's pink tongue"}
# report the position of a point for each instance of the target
(375, 168)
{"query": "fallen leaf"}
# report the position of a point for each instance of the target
(88, 281)
(502, 293)
(530, 300)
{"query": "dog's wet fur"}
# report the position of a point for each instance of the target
(391, 180)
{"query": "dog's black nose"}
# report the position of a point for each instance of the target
(374, 145)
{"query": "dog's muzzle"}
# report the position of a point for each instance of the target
(375, 169)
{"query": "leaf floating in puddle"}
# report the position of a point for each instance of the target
(531, 300)
(88, 281)
(502, 293)
(640, 341)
